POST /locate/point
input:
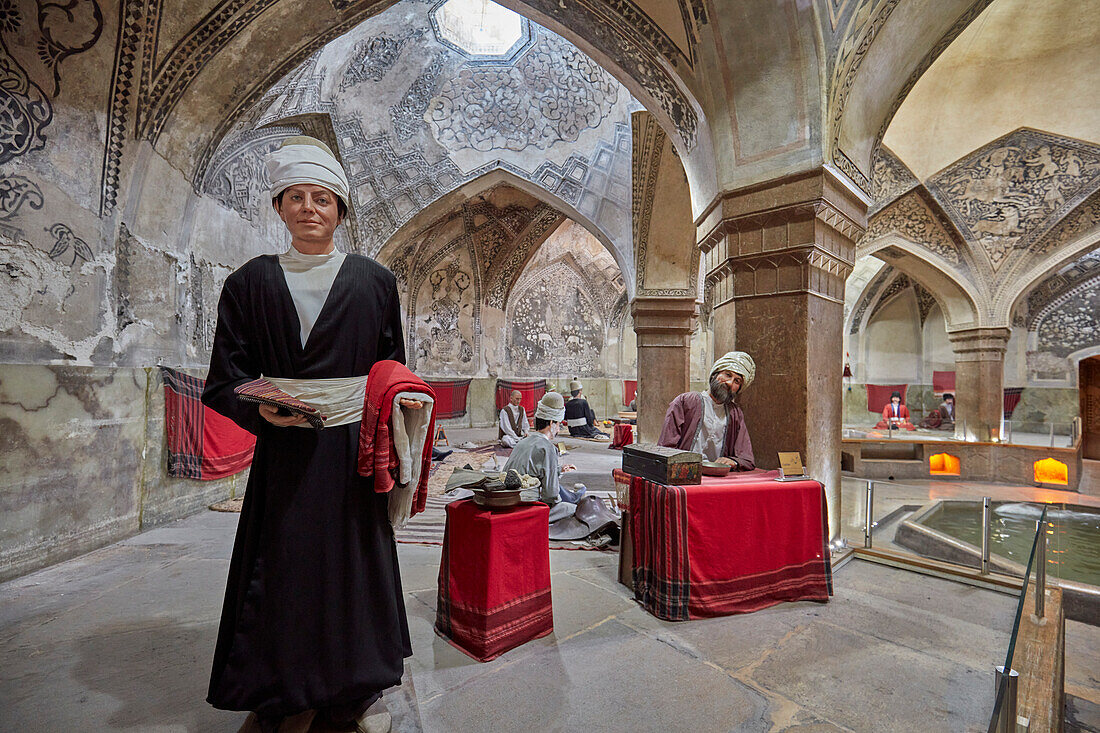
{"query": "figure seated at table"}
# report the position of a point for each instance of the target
(512, 422)
(537, 456)
(895, 415)
(943, 417)
(579, 415)
(710, 422)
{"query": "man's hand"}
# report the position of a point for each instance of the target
(727, 461)
(411, 404)
(271, 414)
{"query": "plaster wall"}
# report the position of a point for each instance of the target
(893, 344)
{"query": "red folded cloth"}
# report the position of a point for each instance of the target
(377, 455)
(201, 443)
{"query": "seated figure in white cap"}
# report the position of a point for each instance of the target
(313, 618)
(710, 422)
(579, 415)
(512, 425)
(537, 456)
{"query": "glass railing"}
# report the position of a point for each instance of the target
(1003, 719)
(1015, 432)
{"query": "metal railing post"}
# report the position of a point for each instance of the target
(1040, 571)
(985, 534)
(1052, 435)
(1006, 721)
(868, 524)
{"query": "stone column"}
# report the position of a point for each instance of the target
(776, 256)
(664, 326)
(979, 382)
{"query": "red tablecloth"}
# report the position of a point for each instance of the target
(494, 578)
(730, 545)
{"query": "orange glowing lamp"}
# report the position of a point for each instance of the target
(943, 464)
(1051, 471)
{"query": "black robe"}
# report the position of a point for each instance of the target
(577, 408)
(313, 614)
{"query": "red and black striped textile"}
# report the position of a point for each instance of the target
(201, 443)
(494, 578)
(630, 388)
(1012, 398)
(729, 545)
(450, 397)
(878, 395)
(532, 392)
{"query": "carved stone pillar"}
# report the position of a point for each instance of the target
(979, 382)
(776, 256)
(664, 327)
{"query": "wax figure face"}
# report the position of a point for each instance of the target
(950, 400)
(896, 400)
(310, 212)
(516, 397)
(724, 385)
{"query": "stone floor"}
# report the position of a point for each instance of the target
(121, 639)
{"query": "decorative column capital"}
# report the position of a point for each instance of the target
(979, 344)
(796, 234)
(661, 319)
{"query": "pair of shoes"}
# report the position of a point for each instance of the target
(439, 455)
(468, 445)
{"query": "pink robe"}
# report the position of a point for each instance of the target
(682, 421)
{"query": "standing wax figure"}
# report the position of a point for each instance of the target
(313, 618)
(537, 456)
(895, 415)
(579, 415)
(710, 422)
(513, 425)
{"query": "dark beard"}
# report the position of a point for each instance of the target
(720, 391)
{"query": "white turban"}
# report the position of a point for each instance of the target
(551, 407)
(304, 159)
(737, 362)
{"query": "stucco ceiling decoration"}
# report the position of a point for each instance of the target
(1056, 286)
(1004, 196)
(913, 219)
(551, 94)
(889, 179)
(869, 296)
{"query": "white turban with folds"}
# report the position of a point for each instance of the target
(551, 407)
(305, 159)
(737, 362)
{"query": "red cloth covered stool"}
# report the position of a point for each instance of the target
(623, 435)
(494, 578)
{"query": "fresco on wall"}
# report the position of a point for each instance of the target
(445, 335)
(555, 325)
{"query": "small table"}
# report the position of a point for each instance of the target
(729, 545)
(494, 578)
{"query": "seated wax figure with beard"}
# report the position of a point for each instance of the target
(710, 422)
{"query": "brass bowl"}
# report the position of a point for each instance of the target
(712, 468)
(496, 499)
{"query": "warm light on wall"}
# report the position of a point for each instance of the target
(1051, 471)
(943, 464)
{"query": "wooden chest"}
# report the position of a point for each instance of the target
(664, 465)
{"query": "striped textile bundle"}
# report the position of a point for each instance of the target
(264, 392)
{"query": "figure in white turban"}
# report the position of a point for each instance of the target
(537, 456)
(314, 617)
(711, 422)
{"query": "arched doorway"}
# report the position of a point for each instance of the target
(1088, 381)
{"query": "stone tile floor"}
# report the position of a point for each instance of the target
(121, 639)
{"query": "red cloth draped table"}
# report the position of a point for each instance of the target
(494, 578)
(730, 545)
(622, 435)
